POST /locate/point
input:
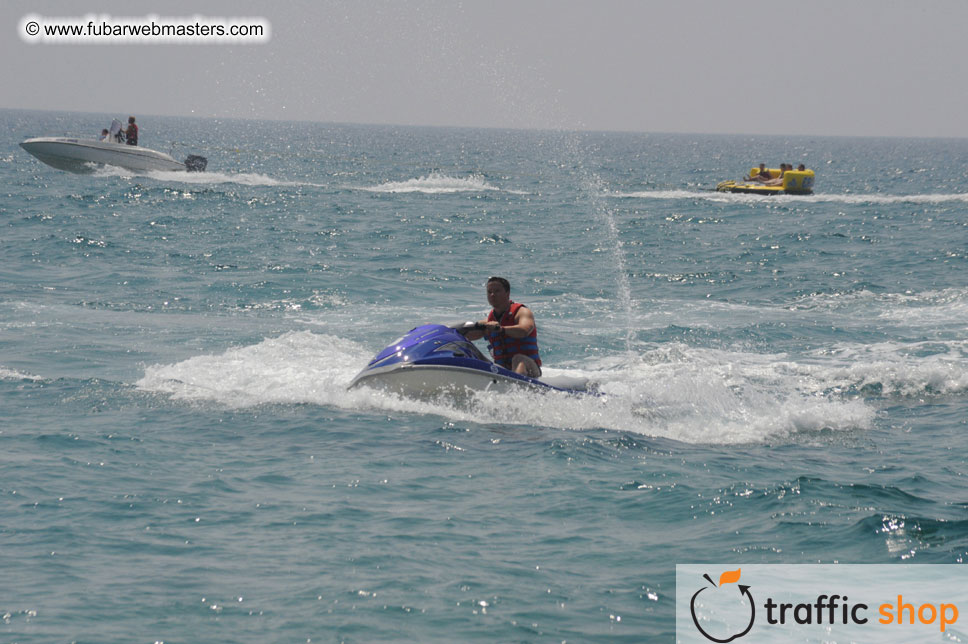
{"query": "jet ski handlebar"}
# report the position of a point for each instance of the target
(464, 327)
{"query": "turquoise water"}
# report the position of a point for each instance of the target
(785, 379)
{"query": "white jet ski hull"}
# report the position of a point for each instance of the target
(431, 381)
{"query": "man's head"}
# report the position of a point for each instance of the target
(130, 119)
(498, 293)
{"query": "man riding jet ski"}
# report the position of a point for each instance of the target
(512, 335)
(434, 358)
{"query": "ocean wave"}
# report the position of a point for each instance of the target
(857, 199)
(436, 183)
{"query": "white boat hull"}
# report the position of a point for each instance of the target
(82, 155)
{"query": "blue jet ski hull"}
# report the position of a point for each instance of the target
(434, 359)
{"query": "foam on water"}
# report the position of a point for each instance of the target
(436, 183)
(908, 313)
(675, 391)
(203, 178)
(896, 369)
(860, 199)
(665, 194)
(935, 307)
(14, 375)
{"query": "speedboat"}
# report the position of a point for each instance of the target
(436, 359)
(84, 155)
(795, 182)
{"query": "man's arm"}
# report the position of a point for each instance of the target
(523, 323)
(476, 334)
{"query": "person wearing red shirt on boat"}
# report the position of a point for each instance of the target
(131, 134)
(511, 332)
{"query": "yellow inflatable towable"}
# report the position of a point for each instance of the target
(795, 182)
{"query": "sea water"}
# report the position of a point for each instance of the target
(784, 379)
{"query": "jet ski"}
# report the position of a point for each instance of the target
(434, 359)
(83, 155)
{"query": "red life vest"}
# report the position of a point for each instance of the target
(503, 347)
(131, 134)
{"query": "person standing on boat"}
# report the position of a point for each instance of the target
(510, 330)
(131, 134)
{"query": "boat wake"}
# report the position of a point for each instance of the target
(671, 389)
(14, 375)
(676, 391)
(859, 199)
(205, 178)
(935, 310)
(437, 183)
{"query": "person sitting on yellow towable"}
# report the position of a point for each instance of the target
(763, 176)
(778, 181)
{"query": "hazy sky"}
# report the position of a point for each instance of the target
(864, 67)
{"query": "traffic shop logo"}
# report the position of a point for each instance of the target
(725, 580)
